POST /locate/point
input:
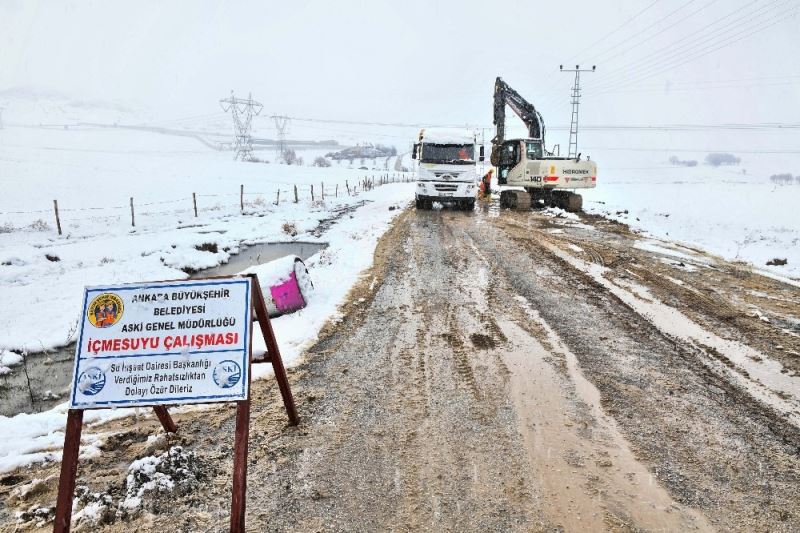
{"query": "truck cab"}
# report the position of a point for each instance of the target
(447, 168)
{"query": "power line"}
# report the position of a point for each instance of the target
(615, 30)
(391, 124)
(656, 23)
(652, 36)
(692, 150)
(736, 80)
(755, 125)
(553, 80)
(670, 47)
(742, 35)
(688, 50)
(687, 127)
(669, 88)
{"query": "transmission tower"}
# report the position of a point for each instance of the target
(576, 97)
(243, 111)
(282, 125)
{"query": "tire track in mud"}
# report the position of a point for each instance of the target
(579, 487)
(712, 445)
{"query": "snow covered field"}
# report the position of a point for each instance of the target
(93, 172)
(738, 215)
(352, 240)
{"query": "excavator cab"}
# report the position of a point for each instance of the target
(514, 152)
(509, 157)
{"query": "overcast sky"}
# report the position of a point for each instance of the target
(415, 61)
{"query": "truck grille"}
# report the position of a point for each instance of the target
(446, 187)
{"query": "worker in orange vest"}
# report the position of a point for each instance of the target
(486, 183)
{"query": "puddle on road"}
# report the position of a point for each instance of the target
(50, 374)
(585, 468)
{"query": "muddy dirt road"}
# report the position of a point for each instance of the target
(505, 371)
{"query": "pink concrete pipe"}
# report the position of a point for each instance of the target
(287, 295)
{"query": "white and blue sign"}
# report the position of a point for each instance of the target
(163, 343)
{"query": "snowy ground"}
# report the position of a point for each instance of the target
(38, 437)
(733, 211)
(93, 172)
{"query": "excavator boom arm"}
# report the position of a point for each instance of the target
(504, 94)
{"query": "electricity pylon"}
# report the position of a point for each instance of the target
(282, 125)
(242, 111)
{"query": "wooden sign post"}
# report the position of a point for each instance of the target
(167, 343)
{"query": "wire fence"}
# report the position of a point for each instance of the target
(249, 202)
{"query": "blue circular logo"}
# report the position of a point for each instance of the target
(227, 374)
(91, 381)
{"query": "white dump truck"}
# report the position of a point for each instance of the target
(447, 170)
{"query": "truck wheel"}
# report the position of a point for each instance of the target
(419, 203)
(471, 204)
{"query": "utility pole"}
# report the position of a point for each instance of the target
(282, 125)
(242, 111)
(576, 96)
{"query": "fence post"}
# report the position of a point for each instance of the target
(58, 219)
(278, 198)
(322, 188)
(241, 198)
(194, 202)
(348, 187)
(133, 221)
(336, 191)
(312, 193)
(295, 194)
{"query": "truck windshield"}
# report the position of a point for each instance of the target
(448, 153)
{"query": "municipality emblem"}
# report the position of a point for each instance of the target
(105, 310)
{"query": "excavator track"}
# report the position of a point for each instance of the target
(568, 201)
(515, 199)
